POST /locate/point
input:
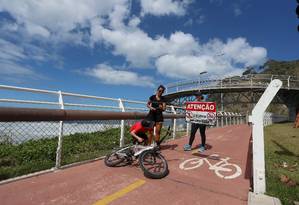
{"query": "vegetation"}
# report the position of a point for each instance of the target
(281, 68)
(36, 155)
(282, 162)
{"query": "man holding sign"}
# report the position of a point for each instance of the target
(200, 114)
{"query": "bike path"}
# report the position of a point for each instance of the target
(94, 183)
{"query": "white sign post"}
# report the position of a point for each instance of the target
(201, 113)
(259, 181)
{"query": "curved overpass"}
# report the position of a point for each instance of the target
(255, 83)
(179, 92)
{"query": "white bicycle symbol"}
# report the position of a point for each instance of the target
(222, 169)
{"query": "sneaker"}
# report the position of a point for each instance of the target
(187, 147)
(201, 148)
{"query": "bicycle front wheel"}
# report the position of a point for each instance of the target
(153, 164)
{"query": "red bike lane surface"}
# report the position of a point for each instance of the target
(94, 182)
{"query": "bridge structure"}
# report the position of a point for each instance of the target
(246, 89)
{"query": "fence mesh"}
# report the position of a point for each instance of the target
(84, 140)
(27, 147)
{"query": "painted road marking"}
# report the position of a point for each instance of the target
(222, 169)
(120, 193)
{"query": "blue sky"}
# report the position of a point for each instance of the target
(125, 49)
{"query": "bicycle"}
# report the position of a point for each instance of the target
(222, 169)
(150, 159)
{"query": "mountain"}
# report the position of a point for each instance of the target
(281, 67)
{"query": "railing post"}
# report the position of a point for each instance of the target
(122, 125)
(60, 136)
(222, 118)
(227, 119)
(235, 119)
(174, 123)
(259, 180)
(221, 99)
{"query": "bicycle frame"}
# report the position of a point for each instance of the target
(138, 149)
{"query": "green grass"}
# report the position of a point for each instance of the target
(37, 155)
(282, 146)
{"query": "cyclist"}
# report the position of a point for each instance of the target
(139, 130)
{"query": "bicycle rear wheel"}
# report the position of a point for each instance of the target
(153, 164)
(113, 159)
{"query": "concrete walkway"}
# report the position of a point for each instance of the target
(94, 183)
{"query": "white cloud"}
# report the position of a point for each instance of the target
(164, 7)
(180, 43)
(10, 51)
(140, 49)
(12, 58)
(189, 22)
(215, 57)
(135, 45)
(34, 29)
(16, 70)
(108, 75)
(61, 16)
(183, 67)
(241, 52)
(134, 22)
(179, 55)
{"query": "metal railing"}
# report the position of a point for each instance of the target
(60, 102)
(245, 81)
(62, 136)
(41, 139)
(270, 118)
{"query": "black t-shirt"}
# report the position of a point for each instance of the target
(155, 102)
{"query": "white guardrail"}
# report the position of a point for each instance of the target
(123, 105)
(245, 81)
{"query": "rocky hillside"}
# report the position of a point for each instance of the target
(281, 67)
(270, 67)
